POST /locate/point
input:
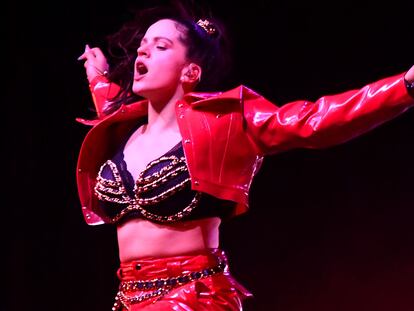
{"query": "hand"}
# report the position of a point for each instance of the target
(409, 75)
(95, 62)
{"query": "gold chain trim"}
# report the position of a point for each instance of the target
(160, 286)
(169, 171)
(104, 188)
(151, 216)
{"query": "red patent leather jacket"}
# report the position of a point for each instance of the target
(225, 135)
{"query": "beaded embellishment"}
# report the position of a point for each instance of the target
(207, 26)
(115, 192)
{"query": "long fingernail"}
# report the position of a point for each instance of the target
(80, 57)
(87, 47)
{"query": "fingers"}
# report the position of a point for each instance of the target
(97, 52)
(409, 76)
(91, 52)
(95, 62)
(87, 53)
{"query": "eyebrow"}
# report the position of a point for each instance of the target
(156, 39)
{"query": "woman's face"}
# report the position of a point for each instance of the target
(161, 61)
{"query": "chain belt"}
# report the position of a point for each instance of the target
(160, 286)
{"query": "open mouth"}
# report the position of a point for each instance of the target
(141, 69)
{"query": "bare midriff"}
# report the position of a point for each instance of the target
(140, 238)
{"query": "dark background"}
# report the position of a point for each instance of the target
(327, 229)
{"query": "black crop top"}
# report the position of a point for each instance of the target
(162, 193)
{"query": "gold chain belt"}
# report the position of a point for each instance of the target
(160, 286)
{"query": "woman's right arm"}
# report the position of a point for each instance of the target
(101, 88)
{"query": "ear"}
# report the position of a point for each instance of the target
(191, 74)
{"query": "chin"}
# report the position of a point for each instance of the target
(138, 90)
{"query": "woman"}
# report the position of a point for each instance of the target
(166, 164)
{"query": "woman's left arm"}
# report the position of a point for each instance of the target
(330, 120)
(409, 80)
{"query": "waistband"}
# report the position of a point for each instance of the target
(167, 267)
(154, 277)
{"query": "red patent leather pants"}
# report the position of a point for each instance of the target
(181, 283)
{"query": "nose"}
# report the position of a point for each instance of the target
(143, 51)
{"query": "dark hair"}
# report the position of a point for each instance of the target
(210, 51)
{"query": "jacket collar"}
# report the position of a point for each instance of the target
(195, 99)
(238, 94)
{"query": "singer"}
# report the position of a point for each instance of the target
(171, 156)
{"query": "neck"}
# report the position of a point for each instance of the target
(161, 115)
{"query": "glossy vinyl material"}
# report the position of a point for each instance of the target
(217, 292)
(225, 135)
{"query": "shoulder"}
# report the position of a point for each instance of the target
(124, 112)
(239, 94)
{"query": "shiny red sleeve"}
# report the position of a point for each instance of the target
(328, 121)
(102, 90)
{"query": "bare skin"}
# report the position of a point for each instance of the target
(141, 238)
(162, 75)
(168, 76)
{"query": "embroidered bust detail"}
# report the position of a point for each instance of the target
(172, 177)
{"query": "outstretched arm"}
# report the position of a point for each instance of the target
(330, 120)
(409, 78)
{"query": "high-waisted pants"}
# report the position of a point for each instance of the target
(181, 283)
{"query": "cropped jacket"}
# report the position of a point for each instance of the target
(226, 134)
